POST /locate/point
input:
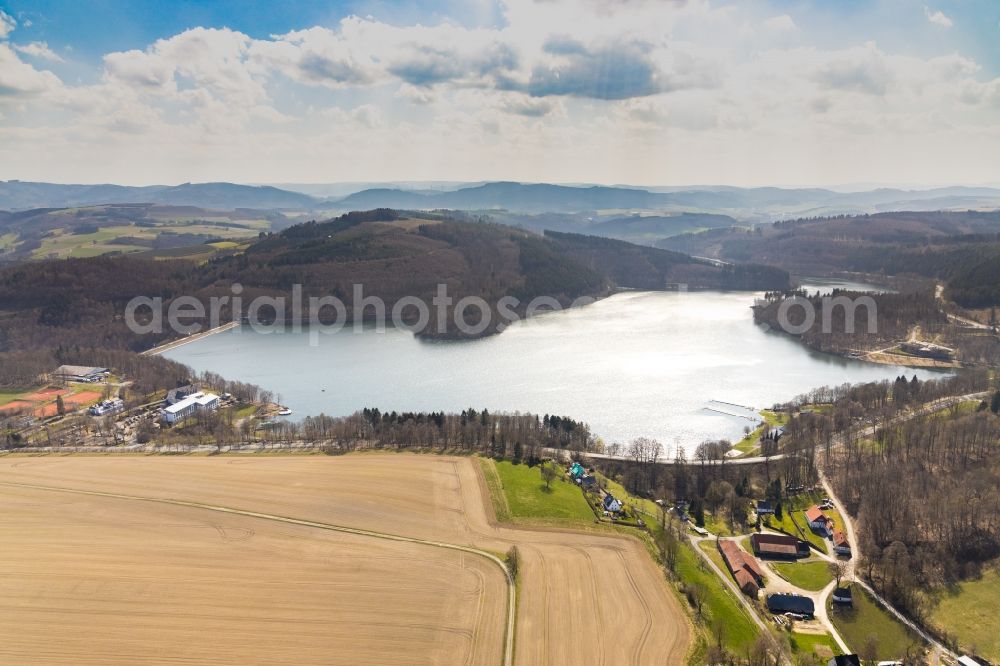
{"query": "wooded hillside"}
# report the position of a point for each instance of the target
(80, 302)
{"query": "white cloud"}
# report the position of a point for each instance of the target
(38, 50)
(7, 24)
(139, 69)
(937, 17)
(781, 23)
(19, 79)
(678, 92)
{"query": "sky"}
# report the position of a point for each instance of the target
(642, 92)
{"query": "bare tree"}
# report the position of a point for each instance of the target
(838, 569)
(548, 474)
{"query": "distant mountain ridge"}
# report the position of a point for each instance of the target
(21, 195)
(746, 203)
(753, 204)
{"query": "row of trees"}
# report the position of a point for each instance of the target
(511, 435)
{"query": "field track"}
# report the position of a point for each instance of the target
(588, 598)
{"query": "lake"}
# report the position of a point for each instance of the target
(636, 364)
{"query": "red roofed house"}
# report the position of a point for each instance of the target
(743, 566)
(841, 545)
(818, 521)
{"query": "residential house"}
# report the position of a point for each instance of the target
(841, 545)
(612, 505)
(588, 481)
(819, 521)
(576, 470)
(743, 567)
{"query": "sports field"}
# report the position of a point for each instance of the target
(194, 583)
(42, 402)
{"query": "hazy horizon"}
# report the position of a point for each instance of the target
(454, 184)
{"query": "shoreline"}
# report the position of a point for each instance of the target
(174, 344)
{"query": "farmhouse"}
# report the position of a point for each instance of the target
(840, 544)
(791, 603)
(778, 546)
(78, 373)
(189, 406)
(819, 521)
(744, 568)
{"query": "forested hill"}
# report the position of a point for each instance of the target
(959, 248)
(79, 302)
(642, 267)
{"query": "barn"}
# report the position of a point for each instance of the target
(791, 603)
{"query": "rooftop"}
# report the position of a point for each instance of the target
(815, 514)
(775, 544)
(194, 399)
(790, 603)
(78, 370)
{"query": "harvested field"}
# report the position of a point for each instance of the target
(103, 581)
(587, 598)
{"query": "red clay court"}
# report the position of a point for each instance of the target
(43, 402)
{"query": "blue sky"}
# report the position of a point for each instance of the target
(646, 92)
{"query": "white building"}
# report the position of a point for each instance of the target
(189, 406)
(108, 407)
